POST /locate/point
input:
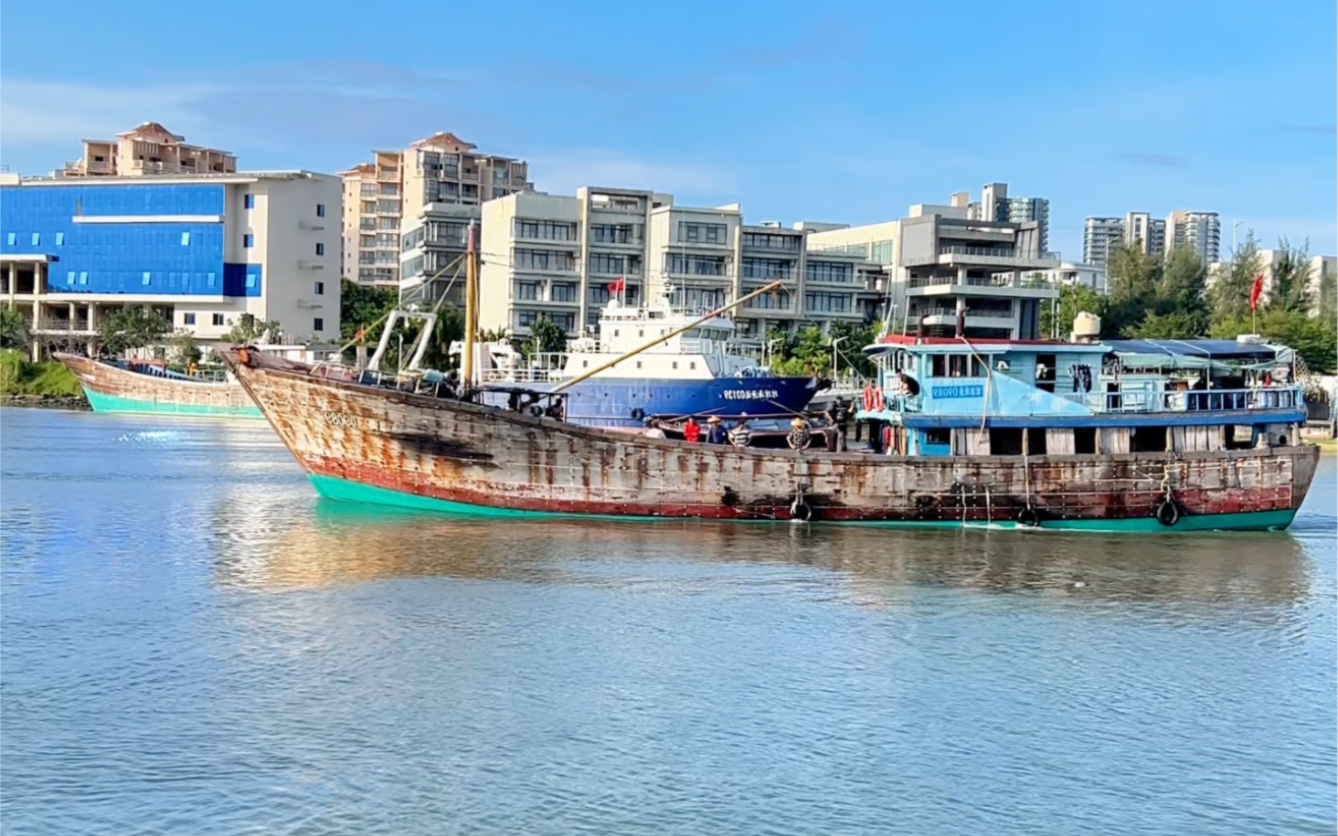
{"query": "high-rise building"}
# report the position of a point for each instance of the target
(204, 250)
(996, 205)
(1197, 231)
(389, 198)
(147, 150)
(1137, 229)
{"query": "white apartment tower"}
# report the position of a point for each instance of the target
(1198, 231)
(996, 205)
(389, 197)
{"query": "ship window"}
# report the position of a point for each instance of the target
(1035, 442)
(938, 366)
(638, 364)
(615, 332)
(957, 365)
(977, 367)
(693, 365)
(1084, 440)
(675, 364)
(1147, 440)
(641, 332)
(938, 436)
(585, 364)
(1006, 442)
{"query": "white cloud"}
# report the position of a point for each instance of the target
(42, 113)
(565, 172)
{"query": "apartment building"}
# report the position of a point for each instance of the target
(559, 256)
(941, 264)
(1197, 231)
(1076, 274)
(1102, 236)
(147, 150)
(203, 250)
(996, 205)
(554, 256)
(390, 197)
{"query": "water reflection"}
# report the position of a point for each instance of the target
(343, 544)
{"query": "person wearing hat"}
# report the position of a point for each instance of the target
(653, 428)
(799, 436)
(716, 434)
(741, 434)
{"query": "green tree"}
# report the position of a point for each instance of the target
(129, 328)
(1314, 338)
(184, 348)
(1057, 317)
(1229, 296)
(1175, 325)
(1328, 296)
(1290, 289)
(547, 337)
(1134, 281)
(249, 329)
(13, 329)
(360, 306)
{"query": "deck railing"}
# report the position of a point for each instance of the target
(1194, 400)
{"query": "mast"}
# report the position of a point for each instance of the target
(471, 306)
(713, 314)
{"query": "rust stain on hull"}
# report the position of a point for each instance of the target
(481, 456)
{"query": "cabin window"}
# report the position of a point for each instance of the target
(938, 366)
(1006, 441)
(1035, 442)
(615, 332)
(693, 365)
(1239, 437)
(675, 364)
(938, 437)
(1084, 440)
(638, 364)
(957, 365)
(585, 364)
(1147, 440)
(1045, 372)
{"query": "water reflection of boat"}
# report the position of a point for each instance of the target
(343, 545)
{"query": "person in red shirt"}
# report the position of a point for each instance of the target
(692, 431)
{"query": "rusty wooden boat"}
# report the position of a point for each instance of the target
(370, 443)
(145, 388)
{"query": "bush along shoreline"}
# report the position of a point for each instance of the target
(46, 385)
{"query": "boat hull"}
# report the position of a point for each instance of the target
(112, 389)
(365, 444)
(624, 403)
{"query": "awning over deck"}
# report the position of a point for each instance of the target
(1197, 354)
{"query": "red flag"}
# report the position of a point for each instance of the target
(1256, 292)
(618, 286)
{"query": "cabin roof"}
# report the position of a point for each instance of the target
(1196, 349)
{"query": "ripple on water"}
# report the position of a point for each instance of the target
(192, 643)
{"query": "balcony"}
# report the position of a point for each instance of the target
(1005, 285)
(959, 255)
(53, 325)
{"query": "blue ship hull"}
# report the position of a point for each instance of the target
(625, 403)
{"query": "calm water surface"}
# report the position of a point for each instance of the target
(193, 643)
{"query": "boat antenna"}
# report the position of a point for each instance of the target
(712, 315)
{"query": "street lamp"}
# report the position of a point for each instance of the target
(835, 342)
(1233, 238)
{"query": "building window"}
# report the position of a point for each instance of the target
(146, 277)
(188, 319)
(37, 239)
(249, 201)
(545, 260)
(320, 249)
(248, 240)
(701, 233)
(218, 319)
(60, 239)
(185, 239)
(320, 210)
(319, 324)
(527, 291)
(546, 230)
(563, 292)
(320, 288)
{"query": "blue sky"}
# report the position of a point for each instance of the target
(800, 111)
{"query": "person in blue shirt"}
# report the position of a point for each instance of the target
(717, 433)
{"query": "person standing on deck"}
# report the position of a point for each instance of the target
(692, 431)
(716, 434)
(742, 433)
(654, 430)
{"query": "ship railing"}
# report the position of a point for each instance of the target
(1194, 400)
(523, 374)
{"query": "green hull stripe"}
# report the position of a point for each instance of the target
(346, 491)
(113, 403)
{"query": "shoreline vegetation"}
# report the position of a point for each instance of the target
(46, 385)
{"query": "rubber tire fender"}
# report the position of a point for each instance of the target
(1028, 517)
(801, 510)
(638, 414)
(1168, 512)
